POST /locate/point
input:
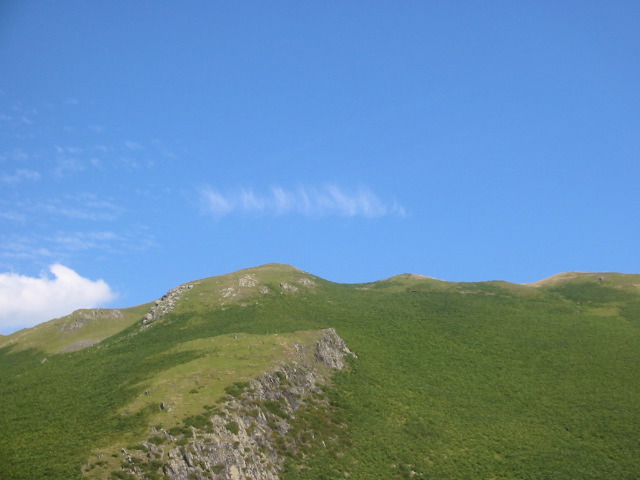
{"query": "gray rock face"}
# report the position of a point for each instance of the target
(287, 287)
(249, 436)
(331, 350)
(77, 320)
(307, 282)
(165, 304)
(248, 281)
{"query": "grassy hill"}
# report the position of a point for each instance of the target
(452, 380)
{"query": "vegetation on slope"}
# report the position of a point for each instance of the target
(483, 380)
(76, 331)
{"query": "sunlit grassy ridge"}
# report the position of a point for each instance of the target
(71, 331)
(475, 380)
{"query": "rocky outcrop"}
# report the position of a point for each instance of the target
(287, 287)
(246, 285)
(248, 281)
(79, 319)
(165, 304)
(251, 434)
(307, 282)
(331, 350)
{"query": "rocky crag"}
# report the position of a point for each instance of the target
(252, 433)
(79, 320)
(165, 304)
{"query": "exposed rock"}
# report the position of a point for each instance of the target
(228, 292)
(165, 304)
(248, 281)
(307, 282)
(331, 349)
(249, 436)
(77, 320)
(287, 287)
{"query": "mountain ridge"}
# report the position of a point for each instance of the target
(451, 380)
(62, 328)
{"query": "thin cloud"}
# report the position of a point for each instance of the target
(20, 175)
(26, 301)
(82, 241)
(163, 150)
(65, 245)
(13, 216)
(86, 207)
(71, 150)
(81, 207)
(23, 248)
(134, 146)
(15, 155)
(68, 166)
(328, 200)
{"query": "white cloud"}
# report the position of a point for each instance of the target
(26, 301)
(308, 201)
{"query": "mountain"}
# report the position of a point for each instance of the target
(272, 372)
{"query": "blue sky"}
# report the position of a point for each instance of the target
(147, 144)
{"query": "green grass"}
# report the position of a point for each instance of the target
(478, 380)
(489, 388)
(220, 365)
(93, 325)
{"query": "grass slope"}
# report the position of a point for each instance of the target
(82, 327)
(481, 380)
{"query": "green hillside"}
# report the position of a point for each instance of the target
(485, 380)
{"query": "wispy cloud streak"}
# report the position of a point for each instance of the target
(328, 200)
(20, 175)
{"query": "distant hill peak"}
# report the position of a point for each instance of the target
(410, 276)
(283, 267)
(554, 279)
(610, 278)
